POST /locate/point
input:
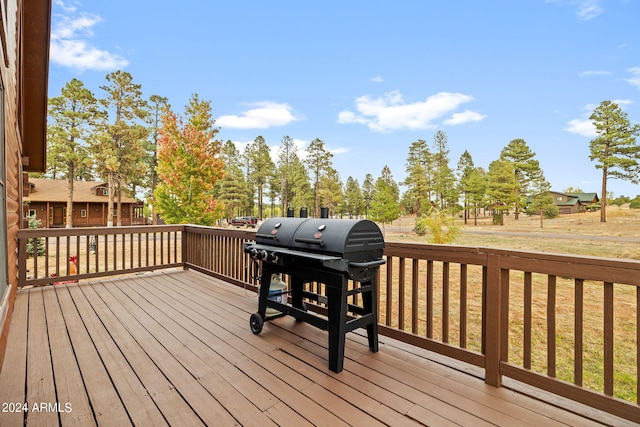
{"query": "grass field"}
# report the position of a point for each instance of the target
(578, 234)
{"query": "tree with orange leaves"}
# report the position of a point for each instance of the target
(189, 165)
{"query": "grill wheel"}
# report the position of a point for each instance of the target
(256, 322)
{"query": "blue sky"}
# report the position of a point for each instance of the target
(370, 77)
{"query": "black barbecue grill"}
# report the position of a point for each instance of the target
(327, 251)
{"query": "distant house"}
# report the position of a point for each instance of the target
(46, 199)
(569, 203)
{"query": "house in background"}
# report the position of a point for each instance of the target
(569, 203)
(46, 199)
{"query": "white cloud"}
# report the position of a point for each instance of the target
(390, 112)
(588, 9)
(377, 79)
(583, 127)
(69, 41)
(464, 117)
(635, 80)
(594, 73)
(264, 115)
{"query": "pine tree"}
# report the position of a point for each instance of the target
(71, 117)
(319, 162)
(189, 166)
(541, 199)
(615, 150)
(384, 200)
(444, 180)
(231, 190)
(260, 169)
(287, 158)
(524, 167)
(465, 170)
(119, 149)
(158, 105)
(419, 177)
(354, 201)
(501, 188)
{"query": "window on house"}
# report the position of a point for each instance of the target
(32, 212)
(105, 191)
(83, 213)
(559, 198)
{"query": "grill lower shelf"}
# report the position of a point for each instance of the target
(336, 323)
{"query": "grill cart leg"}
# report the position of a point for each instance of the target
(369, 304)
(337, 327)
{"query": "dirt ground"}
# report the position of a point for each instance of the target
(579, 234)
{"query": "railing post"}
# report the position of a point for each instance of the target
(22, 260)
(493, 321)
(183, 238)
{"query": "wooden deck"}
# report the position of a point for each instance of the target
(175, 349)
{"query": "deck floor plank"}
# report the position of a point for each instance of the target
(276, 376)
(177, 346)
(139, 405)
(198, 397)
(164, 395)
(201, 361)
(71, 393)
(14, 370)
(107, 406)
(40, 381)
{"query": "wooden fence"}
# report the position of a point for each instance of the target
(561, 323)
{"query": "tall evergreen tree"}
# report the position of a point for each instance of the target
(71, 118)
(331, 193)
(465, 171)
(189, 166)
(260, 167)
(419, 177)
(319, 163)
(119, 150)
(475, 190)
(444, 180)
(354, 202)
(615, 150)
(158, 105)
(501, 188)
(368, 185)
(384, 202)
(287, 158)
(524, 167)
(541, 199)
(231, 190)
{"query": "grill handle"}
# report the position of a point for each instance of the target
(367, 264)
(310, 241)
(266, 236)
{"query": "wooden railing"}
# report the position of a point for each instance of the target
(561, 323)
(98, 252)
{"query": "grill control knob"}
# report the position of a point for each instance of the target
(262, 254)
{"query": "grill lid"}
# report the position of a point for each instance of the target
(352, 239)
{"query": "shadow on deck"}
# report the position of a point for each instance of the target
(175, 348)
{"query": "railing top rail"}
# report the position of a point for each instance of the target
(90, 231)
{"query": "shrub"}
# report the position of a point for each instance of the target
(35, 245)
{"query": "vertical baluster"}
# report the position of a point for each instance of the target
(401, 296)
(414, 295)
(389, 296)
(578, 331)
(445, 302)
(429, 299)
(608, 338)
(551, 326)
(527, 320)
(463, 305)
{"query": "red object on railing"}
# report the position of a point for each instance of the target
(73, 269)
